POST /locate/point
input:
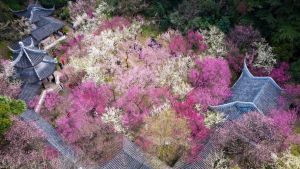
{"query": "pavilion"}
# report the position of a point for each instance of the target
(44, 24)
(250, 93)
(32, 64)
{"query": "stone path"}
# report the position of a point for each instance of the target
(29, 91)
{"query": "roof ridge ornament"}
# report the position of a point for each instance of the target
(246, 70)
(21, 44)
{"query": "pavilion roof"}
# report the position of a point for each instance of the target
(257, 93)
(34, 12)
(39, 72)
(27, 56)
(45, 27)
(129, 157)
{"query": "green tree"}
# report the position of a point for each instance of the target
(17, 107)
(8, 107)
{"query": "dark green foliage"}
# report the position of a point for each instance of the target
(16, 4)
(5, 124)
(5, 121)
(17, 107)
(8, 106)
(295, 71)
(51, 3)
(4, 100)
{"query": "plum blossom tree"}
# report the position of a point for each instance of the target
(243, 37)
(114, 23)
(191, 45)
(280, 74)
(210, 79)
(72, 76)
(243, 42)
(90, 97)
(164, 135)
(285, 120)
(137, 103)
(22, 146)
(80, 7)
(199, 133)
(94, 141)
(250, 140)
(8, 86)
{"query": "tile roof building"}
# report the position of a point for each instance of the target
(33, 65)
(250, 93)
(45, 25)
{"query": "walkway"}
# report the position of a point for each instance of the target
(29, 91)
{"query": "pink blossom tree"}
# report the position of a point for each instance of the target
(137, 104)
(22, 146)
(113, 24)
(280, 74)
(190, 45)
(90, 97)
(243, 37)
(199, 133)
(250, 140)
(210, 79)
(92, 140)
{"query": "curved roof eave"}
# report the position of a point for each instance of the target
(233, 104)
(247, 73)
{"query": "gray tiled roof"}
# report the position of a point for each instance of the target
(29, 91)
(260, 92)
(129, 157)
(34, 12)
(26, 41)
(38, 12)
(26, 12)
(39, 72)
(49, 25)
(27, 56)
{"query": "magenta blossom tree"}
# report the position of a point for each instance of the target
(90, 97)
(280, 74)
(113, 24)
(210, 79)
(137, 104)
(199, 133)
(192, 44)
